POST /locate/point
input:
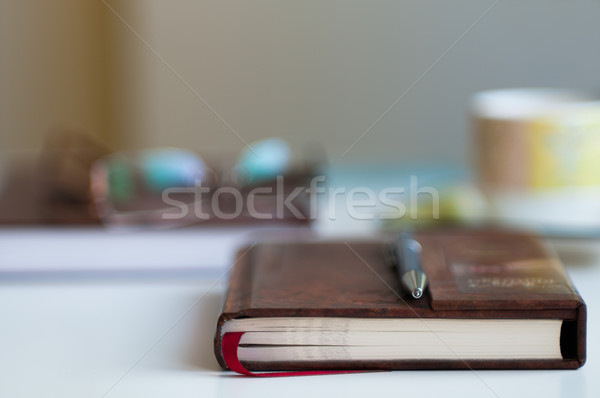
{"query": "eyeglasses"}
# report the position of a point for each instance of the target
(172, 187)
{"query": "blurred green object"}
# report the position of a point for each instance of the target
(120, 180)
(264, 160)
(461, 204)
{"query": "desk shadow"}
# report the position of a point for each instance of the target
(200, 354)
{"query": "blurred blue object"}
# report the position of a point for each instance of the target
(264, 160)
(172, 167)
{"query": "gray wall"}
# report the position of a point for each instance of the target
(324, 71)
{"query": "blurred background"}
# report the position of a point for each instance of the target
(307, 71)
(373, 85)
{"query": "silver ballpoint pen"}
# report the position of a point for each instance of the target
(408, 262)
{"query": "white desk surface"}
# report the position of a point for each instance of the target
(151, 336)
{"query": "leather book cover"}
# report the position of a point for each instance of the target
(473, 274)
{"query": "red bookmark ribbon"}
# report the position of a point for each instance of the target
(231, 342)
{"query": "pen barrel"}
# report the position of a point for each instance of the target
(408, 256)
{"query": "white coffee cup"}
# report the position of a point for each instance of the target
(538, 156)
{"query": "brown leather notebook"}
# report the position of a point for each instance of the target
(496, 300)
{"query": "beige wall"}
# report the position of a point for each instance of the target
(311, 71)
(324, 71)
(53, 70)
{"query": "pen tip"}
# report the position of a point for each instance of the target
(417, 293)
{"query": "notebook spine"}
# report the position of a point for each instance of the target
(239, 295)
